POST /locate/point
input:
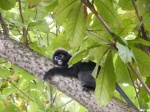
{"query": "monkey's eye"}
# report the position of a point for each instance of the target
(61, 56)
(56, 58)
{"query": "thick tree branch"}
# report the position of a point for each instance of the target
(37, 65)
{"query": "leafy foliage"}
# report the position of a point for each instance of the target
(104, 92)
(143, 61)
(112, 33)
(76, 25)
(7, 4)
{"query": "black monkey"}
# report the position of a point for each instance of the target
(80, 70)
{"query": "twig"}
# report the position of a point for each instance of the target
(139, 78)
(20, 10)
(91, 7)
(25, 31)
(14, 25)
(64, 104)
(4, 25)
(53, 100)
(99, 37)
(132, 82)
(144, 36)
(18, 89)
(35, 13)
(21, 91)
(51, 96)
(136, 10)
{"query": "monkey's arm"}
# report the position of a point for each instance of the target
(64, 71)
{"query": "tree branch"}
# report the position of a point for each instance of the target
(139, 78)
(91, 7)
(142, 28)
(37, 65)
(24, 30)
(4, 25)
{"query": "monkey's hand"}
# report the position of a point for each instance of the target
(49, 73)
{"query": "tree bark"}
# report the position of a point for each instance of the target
(37, 65)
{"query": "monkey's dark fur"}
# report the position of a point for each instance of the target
(80, 70)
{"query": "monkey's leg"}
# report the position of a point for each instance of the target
(87, 80)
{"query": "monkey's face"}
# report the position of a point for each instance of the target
(59, 59)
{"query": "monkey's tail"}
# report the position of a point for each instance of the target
(125, 97)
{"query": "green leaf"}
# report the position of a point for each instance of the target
(25, 74)
(139, 41)
(11, 108)
(7, 4)
(96, 38)
(7, 91)
(2, 106)
(104, 92)
(99, 52)
(126, 27)
(110, 16)
(3, 98)
(29, 14)
(35, 108)
(4, 72)
(39, 103)
(125, 53)
(143, 98)
(39, 25)
(76, 26)
(62, 10)
(95, 24)
(122, 72)
(120, 39)
(143, 6)
(52, 5)
(126, 4)
(144, 9)
(60, 41)
(78, 56)
(143, 61)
